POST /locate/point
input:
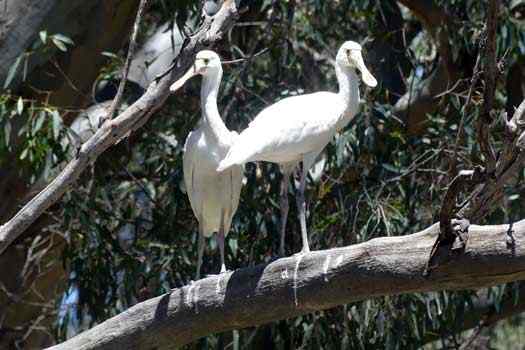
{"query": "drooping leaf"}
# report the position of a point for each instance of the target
(12, 72)
(43, 36)
(20, 106)
(39, 122)
(7, 132)
(57, 124)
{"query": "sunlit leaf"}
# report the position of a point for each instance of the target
(20, 106)
(12, 72)
(57, 124)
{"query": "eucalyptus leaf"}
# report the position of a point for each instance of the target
(12, 72)
(59, 44)
(56, 123)
(20, 106)
(39, 122)
(43, 36)
(7, 132)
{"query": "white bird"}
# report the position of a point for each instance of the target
(297, 129)
(214, 196)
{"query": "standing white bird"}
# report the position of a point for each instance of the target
(214, 196)
(297, 129)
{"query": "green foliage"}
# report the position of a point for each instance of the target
(38, 131)
(43, 46)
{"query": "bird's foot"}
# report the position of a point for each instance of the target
(302, 252)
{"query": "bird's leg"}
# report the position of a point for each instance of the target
(284, 210)
(301, 208)
(200, 252)
(220, 239)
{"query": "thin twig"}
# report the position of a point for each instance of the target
(465, 111)
(248, 58)
(131, 53)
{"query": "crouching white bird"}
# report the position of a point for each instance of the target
(214, 196)
(297, 129)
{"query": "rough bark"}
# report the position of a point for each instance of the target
(298, 285)
(112, 131)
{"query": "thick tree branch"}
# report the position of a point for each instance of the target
(136, 115)
(299, 285)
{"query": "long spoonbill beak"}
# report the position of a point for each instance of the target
(367, 77)
(182, 80)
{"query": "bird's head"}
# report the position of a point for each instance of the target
(349, 55)
(206, 62)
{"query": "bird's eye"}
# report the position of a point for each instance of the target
(206, 61)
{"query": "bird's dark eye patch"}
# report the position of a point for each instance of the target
(206, 61)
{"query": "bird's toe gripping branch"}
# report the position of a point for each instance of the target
(453, 229)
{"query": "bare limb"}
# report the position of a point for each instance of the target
(490, 70)
(133, 117)
(300, 285)
(131, 52)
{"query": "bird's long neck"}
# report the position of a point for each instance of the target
(211, 118)
(348, 91)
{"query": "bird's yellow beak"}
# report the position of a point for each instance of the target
(182, 80)
(367, 77)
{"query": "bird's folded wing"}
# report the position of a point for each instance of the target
(293, 126)
(187, 165)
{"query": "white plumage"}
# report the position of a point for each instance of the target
(297, 129)
(214, 196)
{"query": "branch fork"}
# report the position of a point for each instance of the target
(453, 228)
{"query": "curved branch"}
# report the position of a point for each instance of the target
(106, 136)
(299, 285)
